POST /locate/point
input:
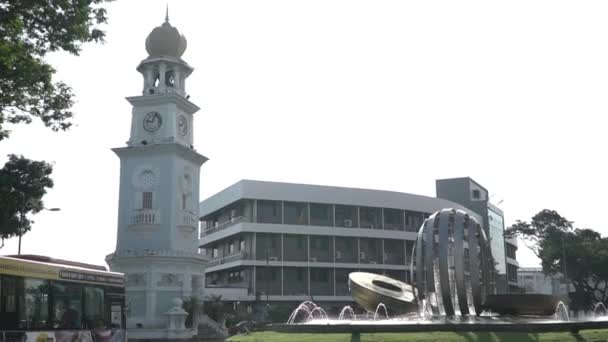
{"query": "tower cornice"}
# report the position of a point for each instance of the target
(178, 149)
(166, 59)
(161, 99)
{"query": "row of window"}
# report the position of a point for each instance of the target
(321, 248)
(300, 281)
(316, 214)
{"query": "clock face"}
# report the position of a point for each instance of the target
(182, 125)
(152, 121)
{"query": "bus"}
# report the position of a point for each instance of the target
(45, 299)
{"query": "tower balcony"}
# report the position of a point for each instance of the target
(188, 219)
(145, 217)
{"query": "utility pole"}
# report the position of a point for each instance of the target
(21, 219)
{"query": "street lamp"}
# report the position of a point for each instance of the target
(22, 217)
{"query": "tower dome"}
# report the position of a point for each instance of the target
(165, 40)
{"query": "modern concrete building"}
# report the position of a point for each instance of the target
(533, 280)
(472, 195)
(293, 242)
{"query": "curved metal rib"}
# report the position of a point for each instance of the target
(459, 264)
(428, 262)
(444, 274)
(487, 265)
(418, 272)
(474, 228)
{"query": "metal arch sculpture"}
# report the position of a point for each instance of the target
(452, 265)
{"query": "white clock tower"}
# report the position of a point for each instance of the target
(157, 240)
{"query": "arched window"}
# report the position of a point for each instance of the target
(170, 79)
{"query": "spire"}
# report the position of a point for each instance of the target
(167, 14)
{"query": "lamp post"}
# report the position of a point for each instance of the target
(22, 219)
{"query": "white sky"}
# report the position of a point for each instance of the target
(374, 94)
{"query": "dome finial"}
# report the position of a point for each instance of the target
(165, 40)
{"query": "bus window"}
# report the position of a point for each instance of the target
(8, 302)
(67, 305)
(115, 307)
(9, 295)
(36, 308)
(94, 307)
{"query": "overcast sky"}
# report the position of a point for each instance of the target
(386, 95)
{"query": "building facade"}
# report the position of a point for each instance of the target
(292, 242)
(472, 195)
(157, 233)
(533, 280)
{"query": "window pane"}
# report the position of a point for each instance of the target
(370, 217)
(321, 249)
(93, 306)
(295, 281)
(147, 200)
(295, 213)
(394, 252)
(321, 214)
(295, 248)
(370, 251)
(269, 212)
(9, 294)
(36, 303)
(67, 306)
(268, 247)
(413, 221)
(342, 282)
(346, 249)
(346, 216)
(393, 219)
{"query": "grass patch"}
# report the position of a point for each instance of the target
(585, 335)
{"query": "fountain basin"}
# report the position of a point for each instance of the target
(531, 304)
(456, 323)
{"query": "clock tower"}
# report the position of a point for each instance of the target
(157, 235)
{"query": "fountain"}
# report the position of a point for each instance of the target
(380, 306)
(561, 312)
(345, 310)
(322, 313)
(452, 290)
(597, 307)
(307, 307)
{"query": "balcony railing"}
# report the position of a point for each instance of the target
(224, 225)
(189, 219)
(145, 216)
(238, 256)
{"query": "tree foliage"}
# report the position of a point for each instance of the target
(29, 30)
(23, 183)
(580, 254)
(214, 307)
(194, 306)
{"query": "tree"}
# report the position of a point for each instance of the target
(214, 308)
(194, 307)
(581, 255)
(28, 31)
(23, 183)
